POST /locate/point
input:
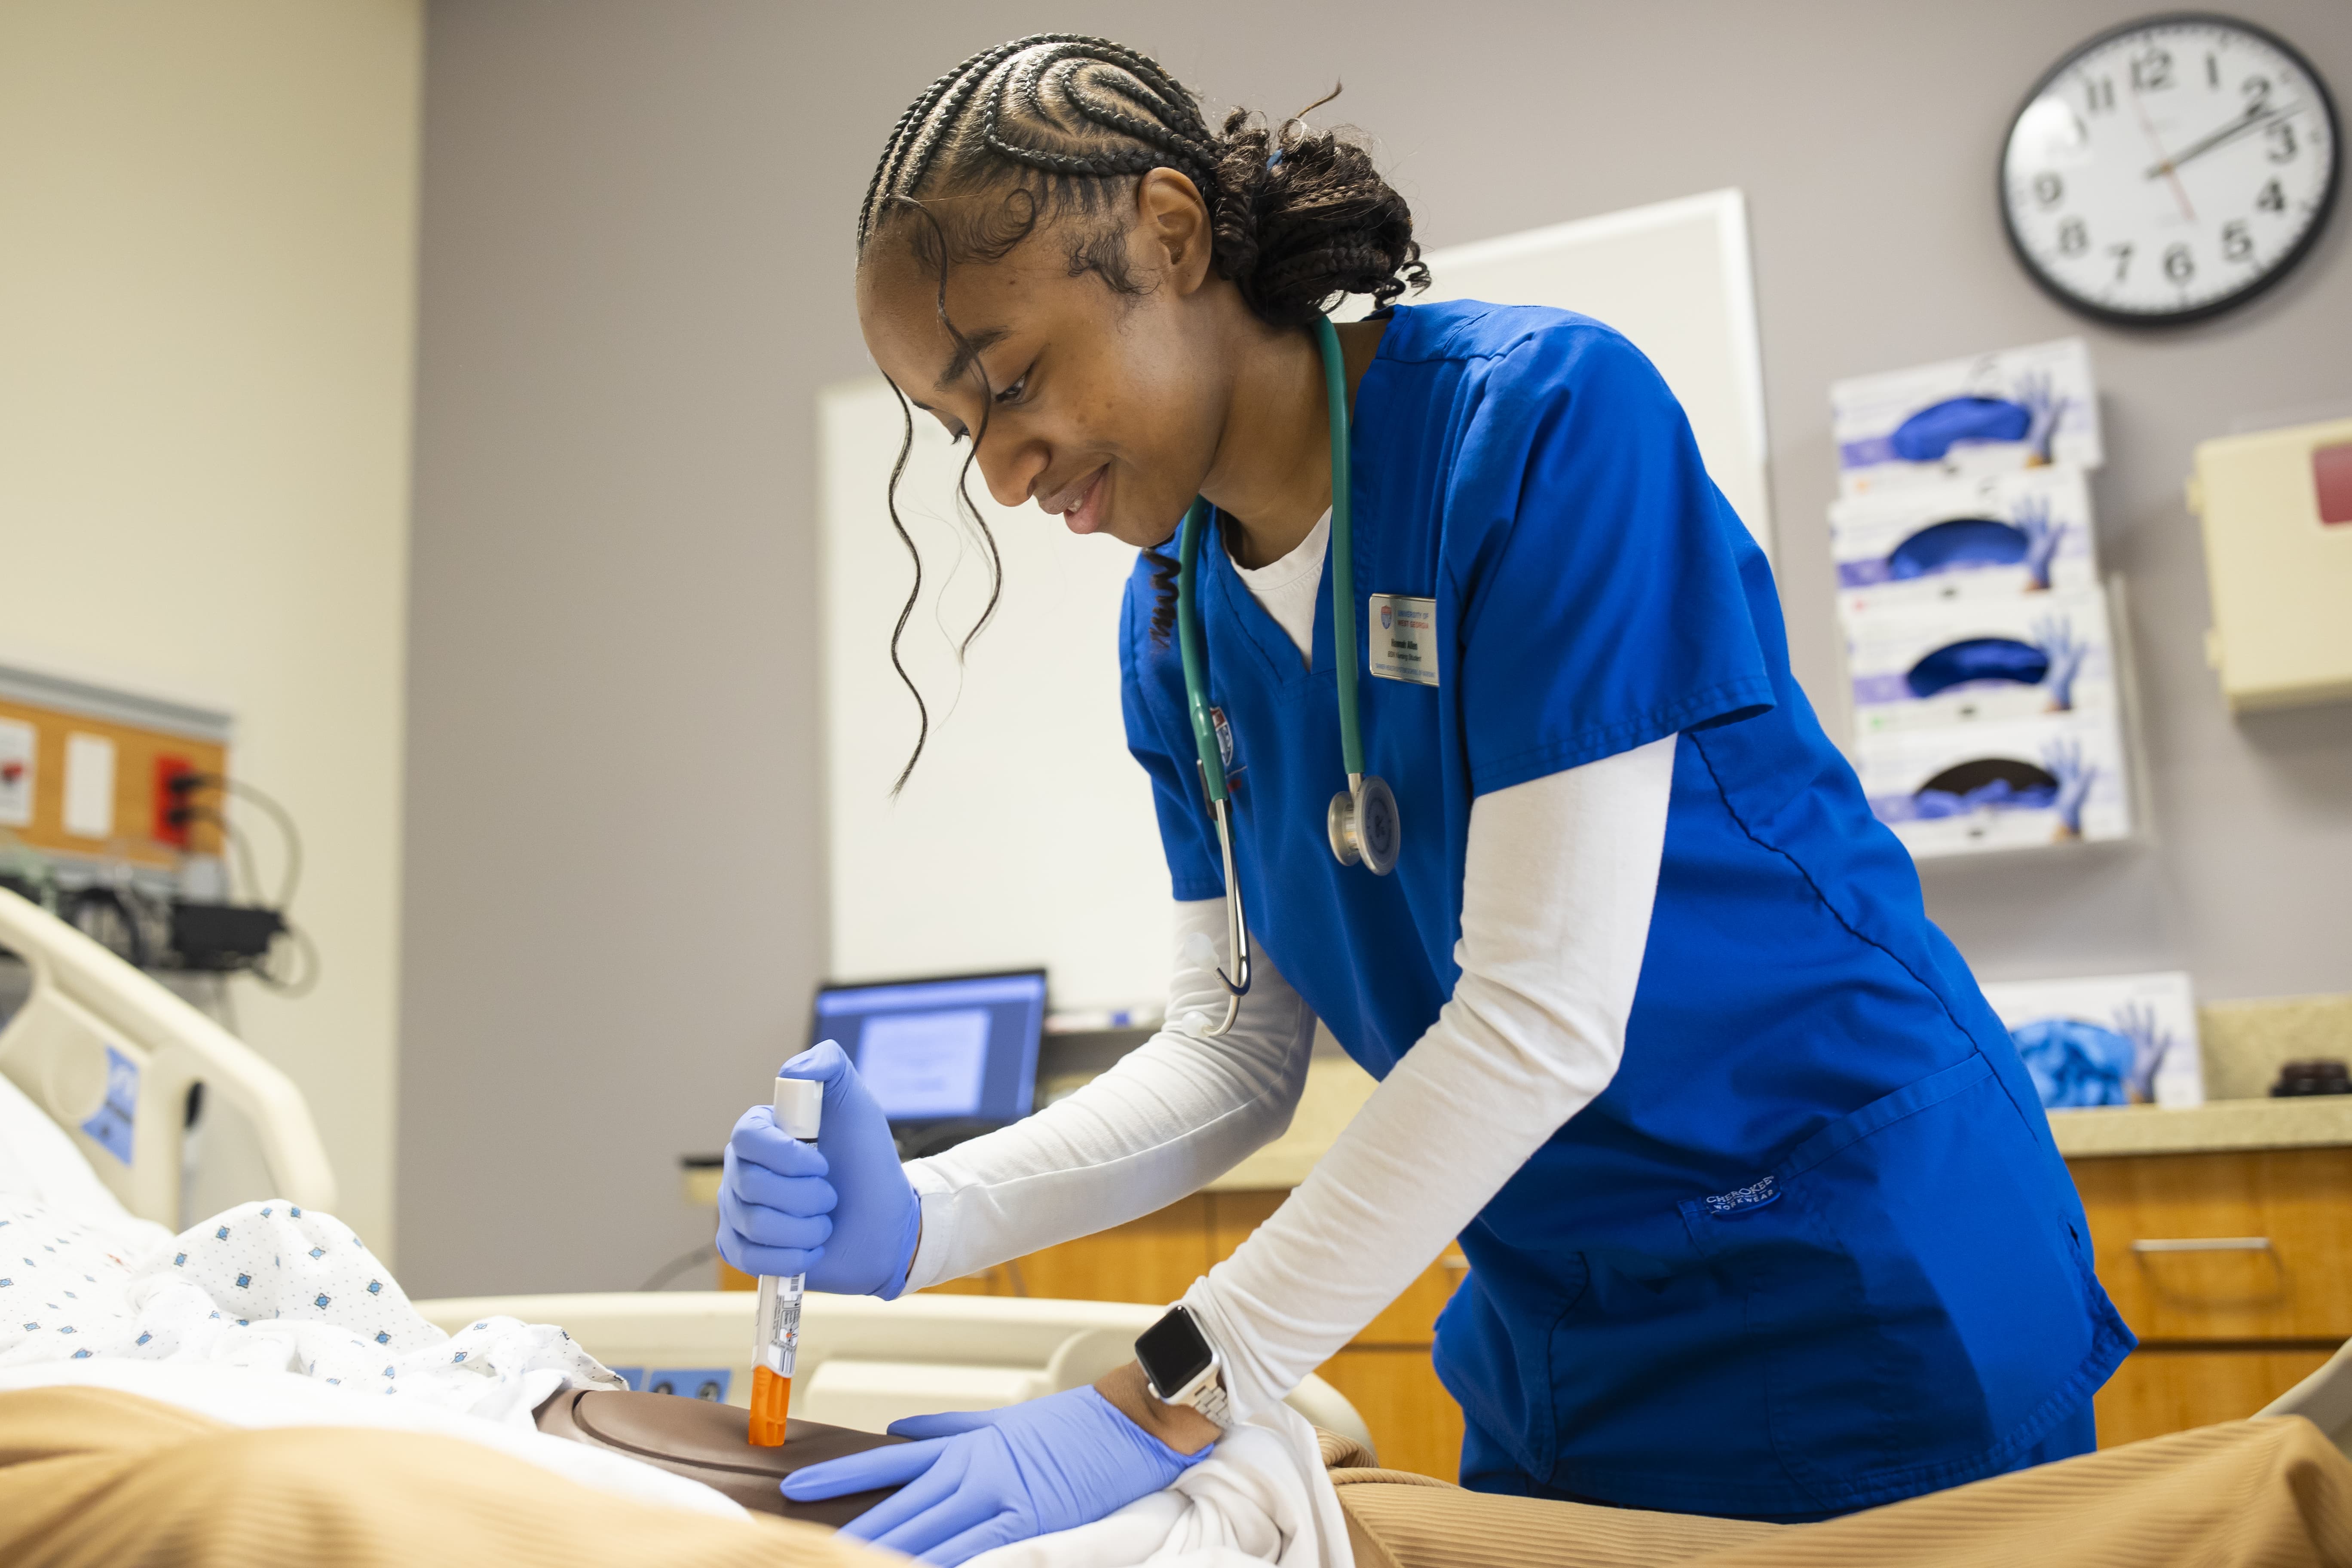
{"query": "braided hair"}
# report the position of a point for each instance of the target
(1064, 126)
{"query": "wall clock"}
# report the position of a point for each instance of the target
(2169, 169)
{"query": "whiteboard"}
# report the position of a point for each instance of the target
(1674, 278)
(1026, 834)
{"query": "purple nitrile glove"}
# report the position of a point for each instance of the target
(983, 1478)
(841, 1212)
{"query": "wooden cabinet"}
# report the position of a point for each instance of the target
(2165, 1388)
(1415, 1424)
(2234, 1270)
(1385, 1370)
(1154, 1259)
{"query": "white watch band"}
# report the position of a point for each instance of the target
(1209, 1399)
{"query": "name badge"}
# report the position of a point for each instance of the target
(1404, 637)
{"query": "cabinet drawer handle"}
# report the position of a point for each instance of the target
(2205, 1244)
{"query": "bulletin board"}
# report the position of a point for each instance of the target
(1026, 834)
(81, 769)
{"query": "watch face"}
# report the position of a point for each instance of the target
(1174, 1352)
(2170, 169)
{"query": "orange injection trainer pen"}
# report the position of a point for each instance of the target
(799, 1102)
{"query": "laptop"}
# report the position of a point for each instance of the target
(947, 1058)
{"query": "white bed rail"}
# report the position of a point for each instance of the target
(2324, 1399)
(865, 1362)
(110, 1054)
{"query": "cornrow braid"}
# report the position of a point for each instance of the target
(1063, 125)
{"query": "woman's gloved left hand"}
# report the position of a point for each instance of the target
(985, 1478)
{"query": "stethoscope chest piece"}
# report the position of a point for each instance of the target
(1363, 825)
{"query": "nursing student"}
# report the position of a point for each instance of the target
(1762, 1213)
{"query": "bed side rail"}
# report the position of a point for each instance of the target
(110, 1053)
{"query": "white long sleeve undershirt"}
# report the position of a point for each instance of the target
(1557, 884)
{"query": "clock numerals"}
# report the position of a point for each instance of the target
(2170, 168)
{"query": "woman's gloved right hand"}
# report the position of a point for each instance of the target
(840, 1210)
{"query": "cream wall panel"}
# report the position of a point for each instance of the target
(206, 322)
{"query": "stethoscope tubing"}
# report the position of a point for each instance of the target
(1348, 808)
(1343, 553)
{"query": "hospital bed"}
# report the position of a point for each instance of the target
(111, 1055)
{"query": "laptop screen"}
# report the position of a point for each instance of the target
(936, 1050)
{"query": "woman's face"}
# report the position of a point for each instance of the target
(1104, 408)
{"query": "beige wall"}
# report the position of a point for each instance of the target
(206, 323)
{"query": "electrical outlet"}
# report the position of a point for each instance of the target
(169, 800)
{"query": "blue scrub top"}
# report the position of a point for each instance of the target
(1813, 1248)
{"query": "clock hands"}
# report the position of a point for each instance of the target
(2254, 119)
(2165, 165)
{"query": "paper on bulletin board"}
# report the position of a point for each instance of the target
(90, 787)
(19, 755)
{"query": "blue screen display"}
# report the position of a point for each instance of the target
(934, 1050)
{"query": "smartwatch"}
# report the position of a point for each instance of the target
(1181, 1365)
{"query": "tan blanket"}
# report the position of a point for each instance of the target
(2249, 1494)
(93, 1478)
(96, 1479)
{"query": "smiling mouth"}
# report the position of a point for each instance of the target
(1080, 507)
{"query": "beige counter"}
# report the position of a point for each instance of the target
(2222, 1124)
(1336, 1089)
(2243, 1041)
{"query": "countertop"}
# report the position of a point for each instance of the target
(2217, 1125)
(1336, 1088)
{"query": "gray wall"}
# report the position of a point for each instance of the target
(635, 273)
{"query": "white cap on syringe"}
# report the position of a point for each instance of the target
(799, 1101)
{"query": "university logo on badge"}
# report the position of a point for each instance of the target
(1388, 616)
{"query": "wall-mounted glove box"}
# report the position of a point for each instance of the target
(2277, 512)
(1973, 660)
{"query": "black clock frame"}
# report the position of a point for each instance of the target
(2270, 279)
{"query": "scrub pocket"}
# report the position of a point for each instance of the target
(1915, 1292)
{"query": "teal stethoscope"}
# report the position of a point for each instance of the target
(1363, 820)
